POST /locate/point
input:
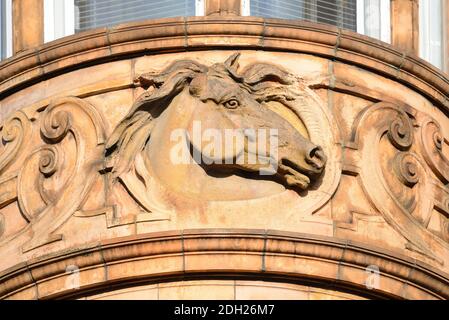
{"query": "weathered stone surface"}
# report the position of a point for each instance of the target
(405, 25)
(28, 22)
(90, 195)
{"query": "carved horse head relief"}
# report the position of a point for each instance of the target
(220, 97)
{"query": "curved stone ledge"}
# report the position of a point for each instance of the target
(205, 33)
(220, 253)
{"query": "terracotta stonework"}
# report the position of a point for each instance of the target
(28, 24)
(405, 25)
(92, 207)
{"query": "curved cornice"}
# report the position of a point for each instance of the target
(204, 33)
(224, 252)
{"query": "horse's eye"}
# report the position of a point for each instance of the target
(231, 103)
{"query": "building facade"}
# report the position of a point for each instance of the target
(224, 149)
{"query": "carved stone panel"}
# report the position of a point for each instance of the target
(159, 160)
(221, 145)
(396, 167)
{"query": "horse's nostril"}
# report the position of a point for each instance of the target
(316, 157)
(313, 153)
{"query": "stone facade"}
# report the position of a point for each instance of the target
(92, 208)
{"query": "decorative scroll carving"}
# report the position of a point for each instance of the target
(400, 132)
(432, 145)
(73, 125)
(69, 157)
(403, 195)
(32, 195)
(395, 171)
(15, 136)
(48, 161)
(411, 172)
(406, 169)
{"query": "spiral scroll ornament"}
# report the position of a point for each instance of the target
(15, 135)
(432, 144)
(406, 169)
(400, 132)
(55, 125)
(48, 161)
(54, 202)
(438, 140)
(402, 195)
(12, 130)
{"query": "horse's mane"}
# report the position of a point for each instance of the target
(266, 82)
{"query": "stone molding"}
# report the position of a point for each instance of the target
(206, 253)
(206, 33)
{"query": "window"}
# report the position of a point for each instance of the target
(65, 17)
(431, 31)
(370, 17)
(5, 29)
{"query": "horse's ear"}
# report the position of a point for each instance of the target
(232, 61)
(261, 72)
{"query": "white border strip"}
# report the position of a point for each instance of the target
(8, 8)
(199, 7)
(360, 5)
(245, 8)
(49, 20)
(385, 21)
(59, 19)
(69, 17)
